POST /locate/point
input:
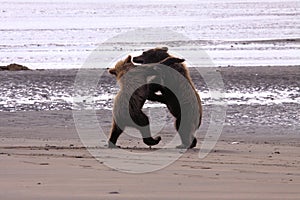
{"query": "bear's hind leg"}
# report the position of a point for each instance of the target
(142, 122)
(186, 146)
(114, 135)
(186, 134)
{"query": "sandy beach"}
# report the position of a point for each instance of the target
(32, 170)
(257, 157)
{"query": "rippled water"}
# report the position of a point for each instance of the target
(267, 99)
(61, 34)
(54, 90)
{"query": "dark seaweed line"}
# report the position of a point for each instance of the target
(48, 155)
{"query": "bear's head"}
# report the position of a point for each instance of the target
(122, 67)
(152, 56)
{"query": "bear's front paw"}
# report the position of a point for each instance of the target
(159, 98)
(152, 141)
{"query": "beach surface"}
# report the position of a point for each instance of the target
(32, 170)
(256, 157)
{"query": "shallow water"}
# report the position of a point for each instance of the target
(55, 90)
(62, 34)
(263, 96)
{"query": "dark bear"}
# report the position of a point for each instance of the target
(128, 103)
(167, 97)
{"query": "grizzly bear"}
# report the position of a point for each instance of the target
(167, 97)
(128, 103)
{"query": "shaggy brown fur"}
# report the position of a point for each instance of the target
(156, 55)
(134, 91)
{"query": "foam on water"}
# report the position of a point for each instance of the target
(63, 101)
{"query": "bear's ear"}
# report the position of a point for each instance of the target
(128, 59)
(164, 48)
(171, 60)
(112, 71)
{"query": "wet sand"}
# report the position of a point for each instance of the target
(257, 157)
(50, 169)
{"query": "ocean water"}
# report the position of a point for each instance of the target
(39, 90)
(266, 99)
(63, 33)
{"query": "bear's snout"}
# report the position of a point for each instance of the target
(138, 59)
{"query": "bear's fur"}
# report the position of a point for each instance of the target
(156, 55)
(128, 103)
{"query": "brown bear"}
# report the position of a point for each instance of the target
(167, 97)
(128, 103)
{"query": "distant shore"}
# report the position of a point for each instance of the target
(256, 156)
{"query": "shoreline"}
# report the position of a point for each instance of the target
(253, 67)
